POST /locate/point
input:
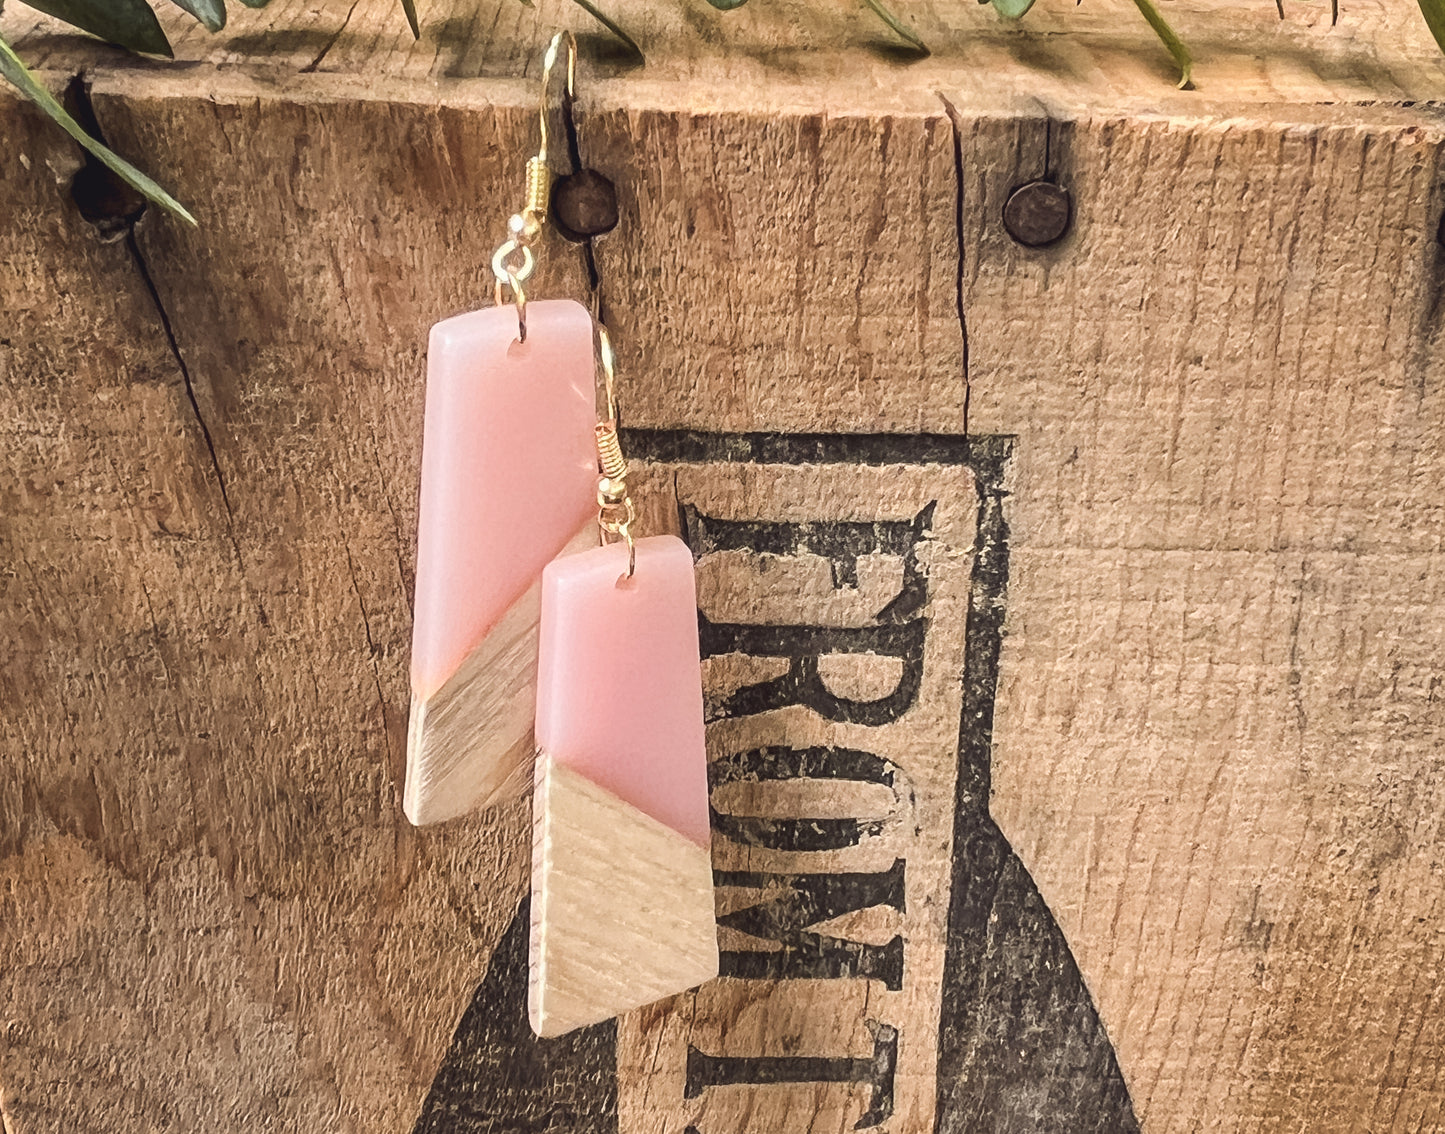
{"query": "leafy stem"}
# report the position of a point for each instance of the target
(16, 73)
(1171, 40)
(133, 24)
(1434, 13)
(900, 29)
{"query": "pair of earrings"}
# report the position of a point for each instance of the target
(540, 649)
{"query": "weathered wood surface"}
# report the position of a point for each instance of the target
(1217, 734)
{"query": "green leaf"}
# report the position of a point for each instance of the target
(612, 26)
(1434, 13)
(212, 13)
(1175, 45)
(727, 5)
(409, 7)
(126, 23)
(1012, 9)
(900, 29)
(255, 3)
(14, 70)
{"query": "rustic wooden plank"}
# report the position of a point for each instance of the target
(343, 278)
(215, 912)
(1217, 738)
(1217, 710)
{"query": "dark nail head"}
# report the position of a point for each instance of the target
(1037, 213)
(584, 205)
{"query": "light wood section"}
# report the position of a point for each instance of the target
(622, 906)
(470, 743)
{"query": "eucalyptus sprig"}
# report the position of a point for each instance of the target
(131, 24)
(14, 71)
(1433, 11)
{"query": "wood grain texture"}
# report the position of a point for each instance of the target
(469, 744)
(1218, 723)
(622, 906)
(214, 912)
(1218, 741)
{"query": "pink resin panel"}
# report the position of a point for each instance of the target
(508, 470)
(619, 688)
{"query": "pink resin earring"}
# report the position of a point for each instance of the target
(507, 485)
(622, 898)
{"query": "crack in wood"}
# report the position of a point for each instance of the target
(371, 655)
(315, 63)
(952, 113)
(138, 257)
(79, 93)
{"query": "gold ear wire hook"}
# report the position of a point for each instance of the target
(615, 513)
(548, 62)
(513, 261)
(609, 371)
(539, 172)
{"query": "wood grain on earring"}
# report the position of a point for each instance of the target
(622, 906)
(469, 743)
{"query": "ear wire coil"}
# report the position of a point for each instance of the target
(539, 187)
(609, 452)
